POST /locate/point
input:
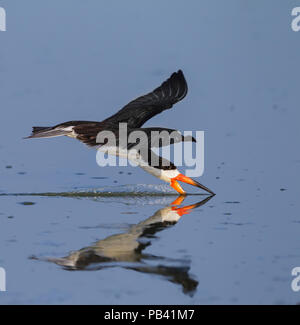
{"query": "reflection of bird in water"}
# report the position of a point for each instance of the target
(128, 247)
(134, 115)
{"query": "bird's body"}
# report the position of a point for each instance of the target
(133, 116)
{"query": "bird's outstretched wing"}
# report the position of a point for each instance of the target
(140, 110)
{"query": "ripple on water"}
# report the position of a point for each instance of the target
(26, 203)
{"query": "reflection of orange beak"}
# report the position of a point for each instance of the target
(188, 208)
(187, 180)
(184, 210)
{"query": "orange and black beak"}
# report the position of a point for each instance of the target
(187, 180)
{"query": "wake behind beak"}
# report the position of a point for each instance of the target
(188, 180)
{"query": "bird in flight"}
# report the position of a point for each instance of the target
(134, 115)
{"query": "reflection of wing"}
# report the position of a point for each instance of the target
(140, 110)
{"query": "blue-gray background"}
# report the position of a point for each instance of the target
(68, 60)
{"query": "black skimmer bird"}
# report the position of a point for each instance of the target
(134, 115)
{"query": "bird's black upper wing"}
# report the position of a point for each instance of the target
(140, 110)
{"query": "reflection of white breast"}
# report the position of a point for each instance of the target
(169, 215)
(166, 214)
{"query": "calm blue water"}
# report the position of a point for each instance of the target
(68, 60)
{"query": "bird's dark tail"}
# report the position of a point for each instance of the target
(47, 132)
